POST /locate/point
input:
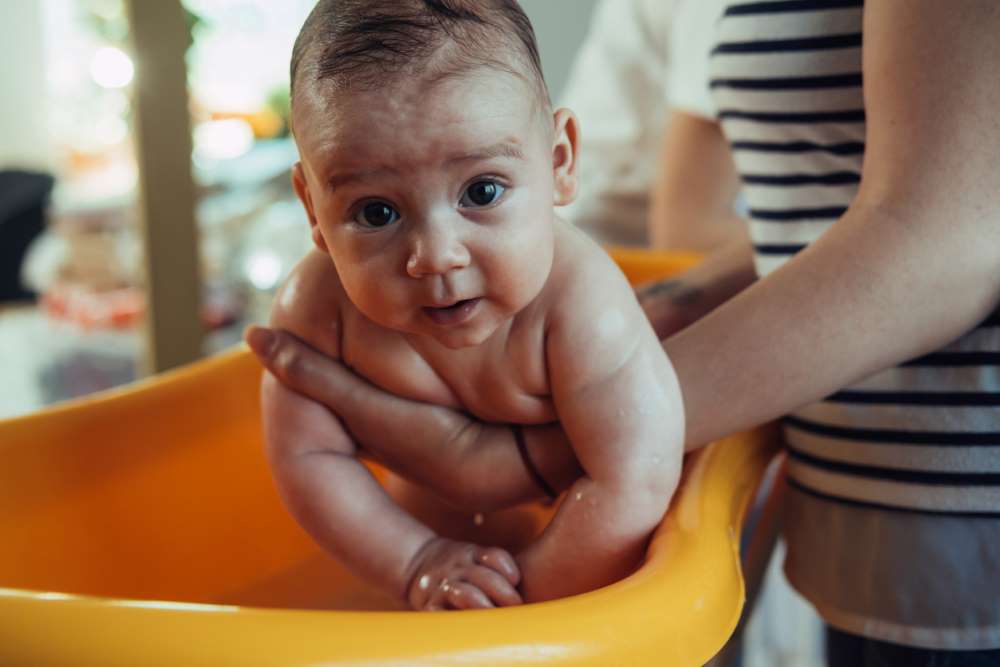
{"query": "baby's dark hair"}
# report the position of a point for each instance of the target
(360, 44)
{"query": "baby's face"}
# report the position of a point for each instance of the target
(434, 201)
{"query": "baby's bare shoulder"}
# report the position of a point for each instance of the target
(594, 321)
(311, 302)
(585, 280)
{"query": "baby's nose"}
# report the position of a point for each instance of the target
(436, 249)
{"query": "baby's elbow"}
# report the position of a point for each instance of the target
(649, 489)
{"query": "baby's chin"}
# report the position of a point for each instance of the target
(481, 327)
(459, 338)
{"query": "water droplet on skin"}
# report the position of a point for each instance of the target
(478, 519)
(444, 586)
(425, 582)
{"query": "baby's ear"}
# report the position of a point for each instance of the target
(565, 147)
(302, 190)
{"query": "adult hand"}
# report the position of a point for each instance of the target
(669, 304)
(675, 303)
(467, 462)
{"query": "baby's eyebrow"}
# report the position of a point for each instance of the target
(341, 179)
(506, 149)
(500, 149)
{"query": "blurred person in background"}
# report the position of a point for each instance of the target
(639, 85)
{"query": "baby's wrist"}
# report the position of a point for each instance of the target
(409, 580)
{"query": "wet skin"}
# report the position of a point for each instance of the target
(442, 274)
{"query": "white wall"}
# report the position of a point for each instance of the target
(560, 26)
(23, 135)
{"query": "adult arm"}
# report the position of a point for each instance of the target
(692, 207)
(677, 302)
(694, 192)
(913, 263)
(470, 463)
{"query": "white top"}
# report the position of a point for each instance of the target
(691, 38)
(639, 57)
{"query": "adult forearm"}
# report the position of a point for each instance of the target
(877, 289)
(691, 199)
(498, 477)
(478, 466)
(678, 302)
(472, 464)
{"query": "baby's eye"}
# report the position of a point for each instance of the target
(481, 193)
(376, 214)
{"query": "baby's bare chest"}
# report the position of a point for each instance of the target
(503, 380)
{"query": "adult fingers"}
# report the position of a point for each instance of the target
(500, 561)
(297, 365)
(500, 591)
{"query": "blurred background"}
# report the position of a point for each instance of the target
(77, 284)
(72, 274)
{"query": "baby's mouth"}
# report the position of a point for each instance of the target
(456, 313)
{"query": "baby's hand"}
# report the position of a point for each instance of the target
(459, 575)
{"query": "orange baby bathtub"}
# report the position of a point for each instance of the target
(141, 527)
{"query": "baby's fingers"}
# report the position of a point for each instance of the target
(500, 591)
(500, 561)
(464, 595)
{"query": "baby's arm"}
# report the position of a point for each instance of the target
(619, 403)
(338, 501)
(332, 495)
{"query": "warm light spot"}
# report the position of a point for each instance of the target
(222, 139)
(111, 68)
(264, 270)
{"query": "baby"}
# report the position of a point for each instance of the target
(431, 163)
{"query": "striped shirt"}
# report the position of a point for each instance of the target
(887, 468)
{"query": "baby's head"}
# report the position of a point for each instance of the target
(430, 159)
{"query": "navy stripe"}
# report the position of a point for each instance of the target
(934, 398)
(848, 116)
(852, 80)
(955, 359)
(777, 248)
(850, 502)
(992, 321)
(899, 475)
(835, 178)
(790, 214)
(826, 42)
(897, 437)
(789, 6)
(847, 148)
